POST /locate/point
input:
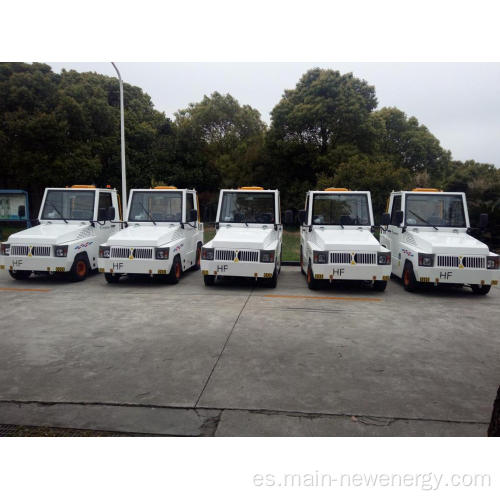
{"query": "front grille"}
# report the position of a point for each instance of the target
(474, 262)
(143, 253)
(248, 255)
(19, 250)
(137, 253)
(224, 254)
(365, 258)
(447, 261)
(36, 251)
(120, 253)
(340, 258)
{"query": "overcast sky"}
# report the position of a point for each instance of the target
(458, 102)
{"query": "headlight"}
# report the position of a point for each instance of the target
(383, 258)
(61, 251)
(267, 255)
(492, 262)
(320, 257)
(426, 259)
(5, 249)
(207, 253)
(161, 253)
(104, 252)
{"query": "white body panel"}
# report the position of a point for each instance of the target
(33, 248)
(237, 246)
(132, 250)
(352, 250)
(458, 257)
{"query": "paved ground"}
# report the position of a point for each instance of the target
(242, 360)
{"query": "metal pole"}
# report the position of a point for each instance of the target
(122, 132)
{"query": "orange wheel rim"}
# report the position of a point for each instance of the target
(406, 277)
(309, 275)
(81, 268)
(177, 270)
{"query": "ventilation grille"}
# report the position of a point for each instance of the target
(120, 253)
(474, 262)
(19, 250)
(248, 256)
(40, 251)
(224, 254)
(340, 258)
(143, 253)
(36, 251)
(136, 253)
(447, 261)
(365, 258)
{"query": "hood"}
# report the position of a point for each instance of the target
(52, 234)
(145, 236)
(442, 242)
(244, 237)
(345, 239)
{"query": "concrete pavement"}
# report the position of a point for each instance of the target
(242, 360)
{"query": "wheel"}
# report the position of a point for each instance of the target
(311, 282)
(209, 280)
(20, 275)
(480, 290)
(409, 281)
(272, 282)
(79, 269)
(301, 262)
(175, 271)
(379, 286)
(197, 264)
(112, 278)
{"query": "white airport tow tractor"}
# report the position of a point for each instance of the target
(336, 240)
(248, 239)
(73, 223)
(427, 232)
(162, 238)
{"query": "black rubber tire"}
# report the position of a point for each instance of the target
(112, 278)
(209, 279)
(272, 282)
(481, 290)
(197, 263)
(311, 282)
(80, 269)
(175, 271)
(410, 283)
(302, 262)
(20, 275)
(379, 286)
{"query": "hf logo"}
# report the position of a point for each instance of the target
(445, 275)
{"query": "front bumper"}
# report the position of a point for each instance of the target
(457, 276)
(40, 264)
(134, 266)
(243, 269)
(364, 272)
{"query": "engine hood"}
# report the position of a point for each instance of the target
(245, 237)
(442, 242)
(345, 239)
(52, 234)
(145, 236)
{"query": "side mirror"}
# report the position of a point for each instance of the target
(110, 213)
(386, 219)
(21, 211)
(193, 215)
(483, 221)
(399, 217)
(302, 216)
(288, 217)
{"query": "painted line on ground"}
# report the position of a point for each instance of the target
(25, 290)
(359, 299)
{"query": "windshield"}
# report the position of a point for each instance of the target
(69, 205)
(9, 206)
(341, 209)
(158, 206)
(249, 207)
(445, 210)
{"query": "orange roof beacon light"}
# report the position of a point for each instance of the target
(165, 187)
(251, 188)
(83, 186)
(108, 186)
(337, 189)
(427, 190)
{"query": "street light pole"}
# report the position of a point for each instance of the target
(122, 131)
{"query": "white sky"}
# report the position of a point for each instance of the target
(458, 102)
